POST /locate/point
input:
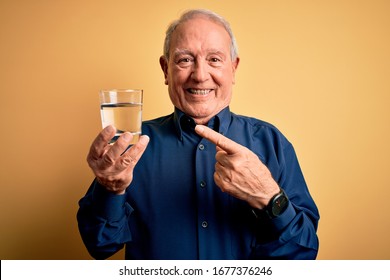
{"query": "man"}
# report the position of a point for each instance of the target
(201, 183)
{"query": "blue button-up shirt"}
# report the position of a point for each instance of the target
(174, 210)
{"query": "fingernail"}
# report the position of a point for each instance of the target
(144, 139)
(110, 128)
(199, 128)
(126, 136)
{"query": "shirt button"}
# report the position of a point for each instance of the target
(201, 147)
(202, 184)
(204, 224)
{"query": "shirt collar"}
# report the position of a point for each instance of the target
(219, 122)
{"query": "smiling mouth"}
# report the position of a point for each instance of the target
(199, 91)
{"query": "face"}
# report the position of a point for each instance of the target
(200, 72)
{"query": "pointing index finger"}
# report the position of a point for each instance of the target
(218, 139)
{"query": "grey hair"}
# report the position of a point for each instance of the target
(190, 14)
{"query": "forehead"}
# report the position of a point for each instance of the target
(200, 32)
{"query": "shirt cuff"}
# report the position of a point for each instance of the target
(279, 223)
(108, 205)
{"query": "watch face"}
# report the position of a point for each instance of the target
(279, 205)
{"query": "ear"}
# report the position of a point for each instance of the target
(164, 67)
(234, 68)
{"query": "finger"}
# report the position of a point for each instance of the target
(101, 142)
(218, 139)
(132, 155)
(223, 158)
(219, 181)
(219, 168)
(116, 150)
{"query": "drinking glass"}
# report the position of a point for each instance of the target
(122, 108)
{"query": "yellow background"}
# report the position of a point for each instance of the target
(318, 70)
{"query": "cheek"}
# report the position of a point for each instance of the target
(229, 76)
(174, 96)
(223, 76)
(224, 80)
(178, 76)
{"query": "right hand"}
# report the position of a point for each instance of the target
(112, 169)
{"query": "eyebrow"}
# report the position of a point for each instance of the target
(178, 52)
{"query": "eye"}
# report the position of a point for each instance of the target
(184, 61)
(215, 61)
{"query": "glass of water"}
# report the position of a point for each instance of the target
(122, 108)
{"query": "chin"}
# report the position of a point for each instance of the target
(202, 117)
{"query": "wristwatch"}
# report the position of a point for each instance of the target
(275, 207)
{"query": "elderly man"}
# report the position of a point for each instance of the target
(203, 182)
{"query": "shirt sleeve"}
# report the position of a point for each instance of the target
(292, 235)
(103, 221)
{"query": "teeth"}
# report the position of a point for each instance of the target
(199, 91)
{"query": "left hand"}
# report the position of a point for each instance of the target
(239, 172)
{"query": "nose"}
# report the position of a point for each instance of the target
(200, 71)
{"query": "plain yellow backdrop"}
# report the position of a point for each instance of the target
(318, 70)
